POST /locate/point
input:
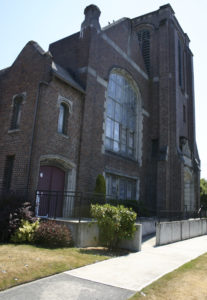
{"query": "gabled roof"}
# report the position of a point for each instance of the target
(58, 71)
(64, 75)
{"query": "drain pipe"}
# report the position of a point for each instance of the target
(33, 133)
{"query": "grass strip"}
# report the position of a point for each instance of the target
(24, 263)
(187, 282)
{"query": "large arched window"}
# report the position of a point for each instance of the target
(63, 118)
(121, 115)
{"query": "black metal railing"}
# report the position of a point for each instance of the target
(187, 213)
(67, 204)
(70, 204)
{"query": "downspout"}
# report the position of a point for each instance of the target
(33, 133)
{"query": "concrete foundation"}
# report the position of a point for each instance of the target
(86, 234)
(169, 232)
(148, 225)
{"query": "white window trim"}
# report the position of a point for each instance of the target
(66, 101)
(69, 104)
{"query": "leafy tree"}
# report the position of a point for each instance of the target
(203, 192)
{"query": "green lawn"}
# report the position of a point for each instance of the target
(23, 263)
(188, 282)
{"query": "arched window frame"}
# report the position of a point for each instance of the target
(65, 109)
(137, 154)
(17, 102)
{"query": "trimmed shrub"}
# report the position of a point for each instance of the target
(100, 189)
(115, 223)
(51, 234)
(25, 233)
(100, 185)
(138, 206)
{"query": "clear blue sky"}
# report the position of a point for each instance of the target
(46, 21)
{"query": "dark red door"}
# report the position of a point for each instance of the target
(51, 188)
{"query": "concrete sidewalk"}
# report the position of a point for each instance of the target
(137, 270)
(117, 278)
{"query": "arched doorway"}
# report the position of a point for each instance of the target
(50, 188)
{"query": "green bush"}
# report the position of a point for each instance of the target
(51, 234)
(25, 233)
(13, 209)
(115, 223)
(138, 206)
(203, 193)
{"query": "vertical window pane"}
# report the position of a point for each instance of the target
(122, 189)
(60, 119)
(123, 140)
(124, 116)
(118, 112)
(123, 136)
(111, 88)
(118, 93)
(108, 144)
(116, 146)
(110, 108)
(116, 131)
(109, 128)
(63, 119)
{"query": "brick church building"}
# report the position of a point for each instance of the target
(117, 101)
